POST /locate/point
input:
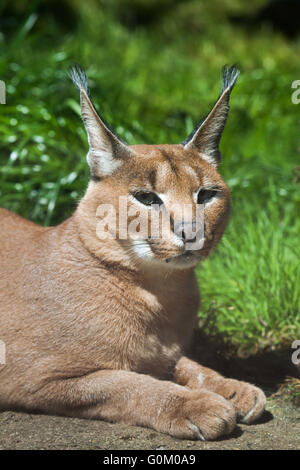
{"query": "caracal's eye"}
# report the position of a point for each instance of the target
(147, 198)
(205, 195)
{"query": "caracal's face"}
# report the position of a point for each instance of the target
(165, 205)
(169, 206)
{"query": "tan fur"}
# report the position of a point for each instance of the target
(93, 330)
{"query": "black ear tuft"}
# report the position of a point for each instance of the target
(230, 75)
(78, 77)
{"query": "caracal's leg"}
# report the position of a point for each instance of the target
(128, 397)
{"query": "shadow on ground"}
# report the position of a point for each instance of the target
(266, 369)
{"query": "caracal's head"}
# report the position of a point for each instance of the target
(159, 205)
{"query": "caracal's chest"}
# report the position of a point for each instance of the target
(122, 324)
(155, 324)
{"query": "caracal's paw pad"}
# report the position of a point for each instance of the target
(248, 400)
(202, 415)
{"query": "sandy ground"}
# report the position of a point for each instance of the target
(279, 428)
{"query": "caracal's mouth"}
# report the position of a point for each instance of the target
(186, 258)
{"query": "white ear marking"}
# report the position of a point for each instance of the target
(106, 150)
(106, 162)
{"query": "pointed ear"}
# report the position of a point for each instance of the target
(106, 150)
(206, 137)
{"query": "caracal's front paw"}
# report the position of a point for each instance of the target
(248, 400)
(199, 415)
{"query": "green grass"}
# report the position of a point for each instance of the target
(152, 83)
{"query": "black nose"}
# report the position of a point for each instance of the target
(185, 236)
(187, 231)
